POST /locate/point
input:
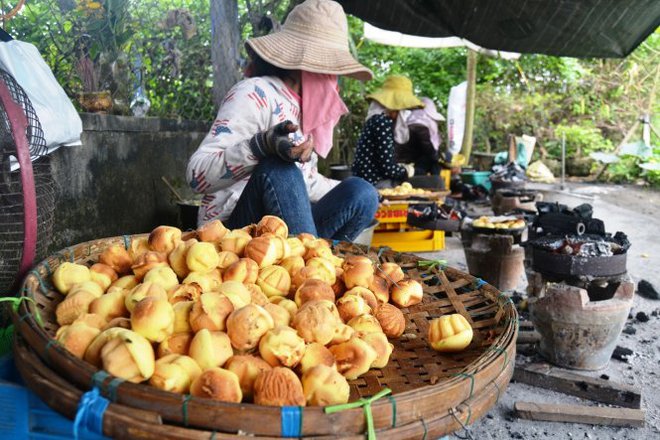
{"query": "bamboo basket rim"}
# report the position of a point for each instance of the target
(471, 378)
(122, 421)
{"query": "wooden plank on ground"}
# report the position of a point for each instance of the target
(546, 376)
(528, 337)
(591, 415)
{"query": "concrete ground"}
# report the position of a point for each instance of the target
(636, 212)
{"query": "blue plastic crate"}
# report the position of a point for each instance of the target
(24, 416)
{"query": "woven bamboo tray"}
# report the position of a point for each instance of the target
(432, 392)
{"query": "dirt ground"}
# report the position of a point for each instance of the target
(635, 211)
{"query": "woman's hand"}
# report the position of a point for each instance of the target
(277, 141)
(303, 151)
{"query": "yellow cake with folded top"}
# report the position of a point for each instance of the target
(449, 333)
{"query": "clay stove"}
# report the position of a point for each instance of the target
(579, 296)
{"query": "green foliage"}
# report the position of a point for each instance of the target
(581, 139)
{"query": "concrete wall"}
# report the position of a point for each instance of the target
(111, 185)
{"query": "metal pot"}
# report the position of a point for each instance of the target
(340, 171)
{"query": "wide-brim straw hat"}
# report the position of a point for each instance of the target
(396, 94)
(313, 38)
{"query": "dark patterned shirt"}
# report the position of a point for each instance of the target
(374, 155)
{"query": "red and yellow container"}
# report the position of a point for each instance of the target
(393, 231)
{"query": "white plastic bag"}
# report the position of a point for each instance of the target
(456, 117)
(58, 117)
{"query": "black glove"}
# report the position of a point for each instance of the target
(275, 142)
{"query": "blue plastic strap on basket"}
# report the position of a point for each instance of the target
(478, 283)
(292, 419)
(48, 269)
(335, 242)
(127, 241)
(213, 435)
(112, 388)
(91, 409)
(184, 408)
(467, 376)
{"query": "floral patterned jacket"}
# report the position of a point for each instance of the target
(223, 163)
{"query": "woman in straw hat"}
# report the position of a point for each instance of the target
(260, 156)
(385, 125)
(423, 146)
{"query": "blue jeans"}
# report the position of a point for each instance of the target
(278, 188)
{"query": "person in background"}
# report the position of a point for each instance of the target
(260, 156)
(385, 124)
(423, 145)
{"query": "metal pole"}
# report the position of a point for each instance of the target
(563, 159)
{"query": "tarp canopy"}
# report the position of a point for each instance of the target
(392, 38)
(576, 28)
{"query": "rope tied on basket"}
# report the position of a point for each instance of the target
(16, 303)
(51, 342)
(506, 298)
(365, 404)
(184, 408)
(500, 350)
(291, 421)
(467, 376)
(452, 411)
(42, 285)
(426, 430)
(98, 378)
(432, 264)
(91, 409)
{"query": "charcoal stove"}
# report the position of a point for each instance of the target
(495, 255)
(580, 293)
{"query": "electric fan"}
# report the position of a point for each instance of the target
(27, 190)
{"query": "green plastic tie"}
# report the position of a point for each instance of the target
(127, 241)
(432, 264)
(467, 376)
(49, 271)
(365, 404)
(16, 303)
(426, 431)
(184, 408)
(213, 434)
